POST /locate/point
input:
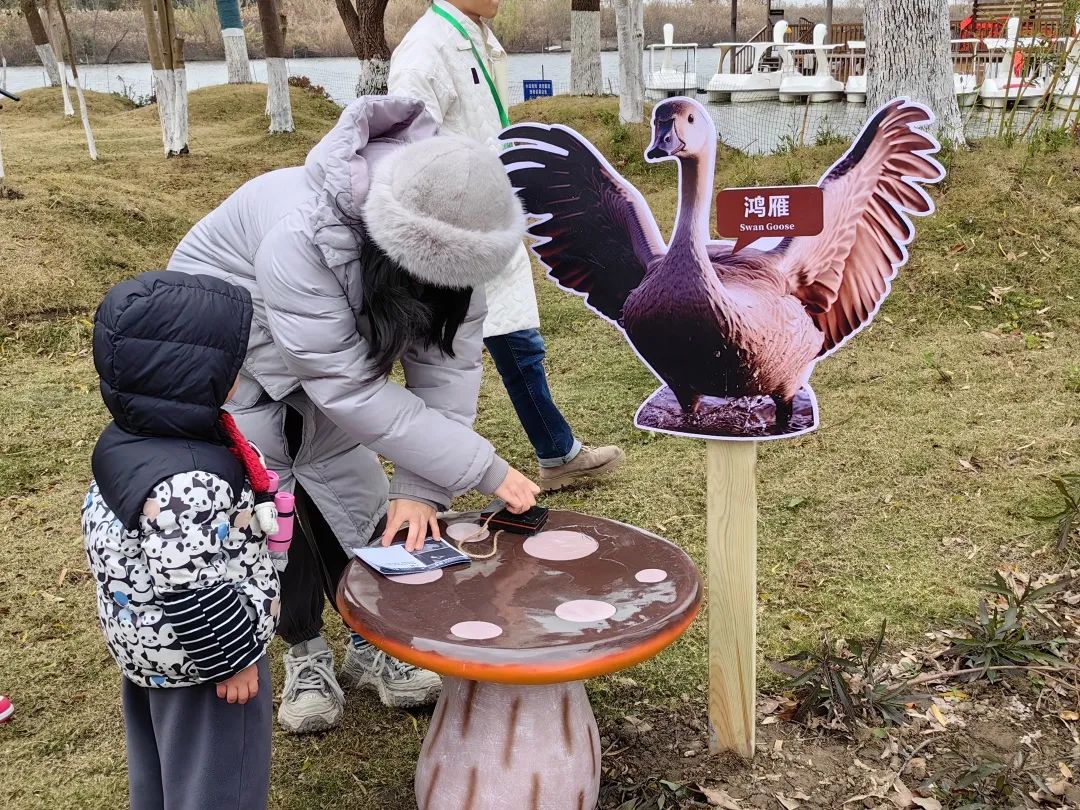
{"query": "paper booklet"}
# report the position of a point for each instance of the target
(392, 560)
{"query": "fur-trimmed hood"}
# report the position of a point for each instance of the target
(340, 165)
(441, 206)
(444, 210)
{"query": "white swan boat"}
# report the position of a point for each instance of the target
(1005, 81)
(818, 86)
(761, 83)
(671, 79)
(965, 80)
(855, 86)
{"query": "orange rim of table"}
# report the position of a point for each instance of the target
(526, 674)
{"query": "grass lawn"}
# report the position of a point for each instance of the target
(940, 424)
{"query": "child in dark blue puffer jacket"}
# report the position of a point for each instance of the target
(174, 525)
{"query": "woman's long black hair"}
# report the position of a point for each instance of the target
(403, 310)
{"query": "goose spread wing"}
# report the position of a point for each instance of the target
(594, 231)
(843, 274)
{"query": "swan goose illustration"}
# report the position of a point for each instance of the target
(706, 322)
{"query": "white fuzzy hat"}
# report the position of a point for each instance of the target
(443, 208)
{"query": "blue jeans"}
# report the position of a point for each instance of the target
(519, 358)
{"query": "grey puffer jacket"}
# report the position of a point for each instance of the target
(284, 237)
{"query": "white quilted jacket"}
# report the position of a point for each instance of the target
(435, 64)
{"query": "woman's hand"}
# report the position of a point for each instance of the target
(241, 687)
(420, 517)
(517, 492)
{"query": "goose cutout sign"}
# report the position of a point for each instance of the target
(732, 334)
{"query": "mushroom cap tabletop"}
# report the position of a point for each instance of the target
(584, 597)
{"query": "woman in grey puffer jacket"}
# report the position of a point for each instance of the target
(367, 255)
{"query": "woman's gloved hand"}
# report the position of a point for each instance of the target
(421, 519)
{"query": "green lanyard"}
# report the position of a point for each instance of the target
(503, 117)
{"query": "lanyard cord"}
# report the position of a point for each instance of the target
(503, 117)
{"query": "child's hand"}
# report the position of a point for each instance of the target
(420, 517)
(517, 492)
(241, 687)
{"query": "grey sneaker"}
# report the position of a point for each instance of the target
(312, 700)
(590, 463)
(400, 685)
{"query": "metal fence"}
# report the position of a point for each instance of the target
(755, 127)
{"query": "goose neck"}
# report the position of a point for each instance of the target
(695, 200)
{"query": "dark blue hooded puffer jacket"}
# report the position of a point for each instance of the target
(186, 591)
(168, 347)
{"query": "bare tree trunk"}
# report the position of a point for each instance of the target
(232, 37)
(55, 40)
(278, 103)
(364, 25)
(41, 41)
(925, 73)
(91, 145)
(630, 22)
(586, 75)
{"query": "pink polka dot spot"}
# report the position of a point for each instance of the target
(423, 578)
(650, 575)
(560, 545)
(476, 631)
(467, 532)
(584, 611)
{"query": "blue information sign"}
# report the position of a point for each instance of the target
(538, 88)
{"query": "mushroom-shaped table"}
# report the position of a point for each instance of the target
(515, 636)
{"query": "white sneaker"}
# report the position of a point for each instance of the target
(400, 685)
(312, 700)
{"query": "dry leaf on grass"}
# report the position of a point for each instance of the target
(938, 715)
(903, 797)
(789, 804)
(719, 798)
(1059, 786)
(926, 803)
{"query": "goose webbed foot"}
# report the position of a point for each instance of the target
(785, 409)
(689, 402)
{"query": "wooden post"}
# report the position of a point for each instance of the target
(731, 538)
(734, 21)
(828, 19)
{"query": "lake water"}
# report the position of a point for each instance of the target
(338, 75)
(753, 128)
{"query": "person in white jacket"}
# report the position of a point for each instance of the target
(451, 60)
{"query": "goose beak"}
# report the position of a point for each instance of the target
(666, 140)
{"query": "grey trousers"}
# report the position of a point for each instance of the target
(190, 750)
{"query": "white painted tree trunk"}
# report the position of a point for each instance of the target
(91, 144)
(630, 23)
(374, 74)
(894, 67)
(69, 111)
(163, 91)
(586, 75)
(55, 44)
(279, 106)
(172, 101)
(236, 55)
(48, 61)
(180, 111)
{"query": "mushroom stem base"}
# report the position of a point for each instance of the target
(498, 746)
